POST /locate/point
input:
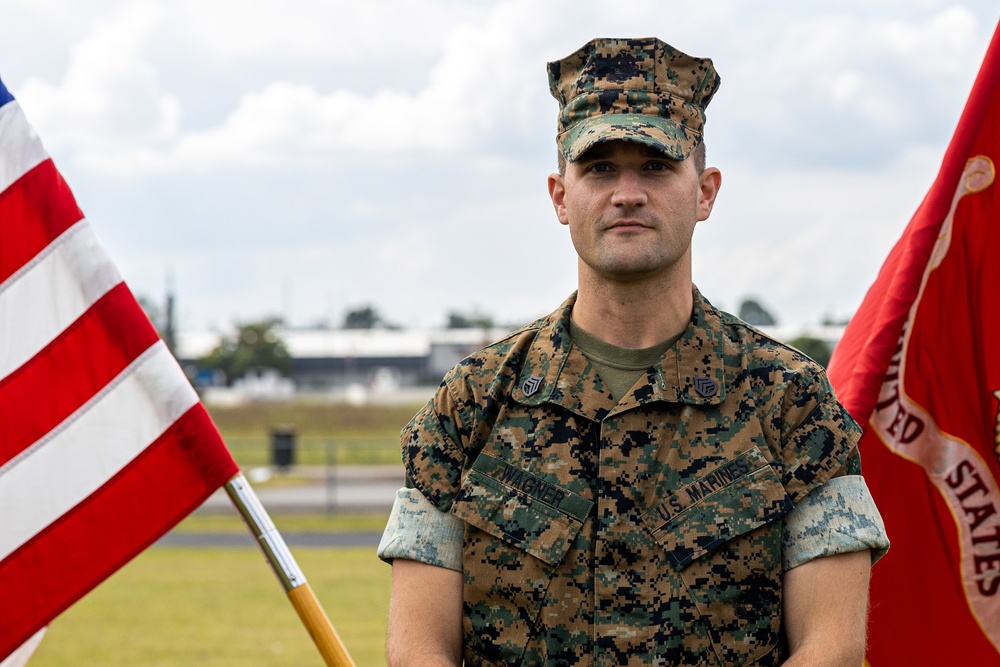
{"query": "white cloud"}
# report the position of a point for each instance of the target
(838, 86)
(850, 87)
(293, 124)
(940, 47)
(109, 95)
(395, 151)
(410, 253)
(477, 86)
(811, 241)
(334, 30)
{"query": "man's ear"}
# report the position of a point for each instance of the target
(557, 192)
(709, 183)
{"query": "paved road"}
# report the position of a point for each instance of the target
(347, 489)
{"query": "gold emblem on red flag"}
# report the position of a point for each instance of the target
(979, 174)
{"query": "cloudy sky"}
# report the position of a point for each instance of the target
(305, 157)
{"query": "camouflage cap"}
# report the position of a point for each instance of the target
(641, 90)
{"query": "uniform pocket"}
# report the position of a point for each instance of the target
(521, 509)
(723, 535)
(520, 527)
(734, 498)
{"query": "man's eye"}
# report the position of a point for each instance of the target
(600, 167)
(657, 166)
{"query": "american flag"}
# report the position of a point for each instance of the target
(104, 445)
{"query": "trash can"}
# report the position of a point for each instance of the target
(283, 447)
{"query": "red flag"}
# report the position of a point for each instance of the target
(104, 445)
(919, 368)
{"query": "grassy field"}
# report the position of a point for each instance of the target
(312, 419)
(250, 452)
(222, 607)
(324, 433)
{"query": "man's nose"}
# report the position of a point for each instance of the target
(629, 189)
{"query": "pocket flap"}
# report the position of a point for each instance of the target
(521, 509)
(732, 499)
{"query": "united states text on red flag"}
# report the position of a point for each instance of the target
(104, 445)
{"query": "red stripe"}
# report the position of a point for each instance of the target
(34, 211)
(90, 353)
(171, 478)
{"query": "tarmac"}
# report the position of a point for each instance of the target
(342, 489)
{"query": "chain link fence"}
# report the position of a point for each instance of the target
(297, 466)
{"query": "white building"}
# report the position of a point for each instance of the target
(342, 361)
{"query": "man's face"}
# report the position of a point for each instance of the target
(631, 210)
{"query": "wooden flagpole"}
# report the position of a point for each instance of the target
(278, 556)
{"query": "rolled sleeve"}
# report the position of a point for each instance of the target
(838, 517)
(417, 530)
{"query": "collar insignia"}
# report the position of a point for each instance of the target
(706, 386)
(532, 385)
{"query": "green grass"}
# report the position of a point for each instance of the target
(220, 607)
(318, 451)
(312, 419)
(325, 433)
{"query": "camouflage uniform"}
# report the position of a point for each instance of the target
(645, 531)
(650, 530)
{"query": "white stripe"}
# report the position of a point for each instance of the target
(94, 444)
(48, 294)
(20, 147)
(20, 657)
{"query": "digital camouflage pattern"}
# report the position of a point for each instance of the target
(645, 531)
(419, 531)
(829, 522)
(640, 90)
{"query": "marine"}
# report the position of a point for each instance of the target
(638, 478)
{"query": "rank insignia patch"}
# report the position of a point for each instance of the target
(532, 385)
(706, 386)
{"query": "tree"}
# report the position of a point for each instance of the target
(472, 320)
(831, 321)
(255, 346)
(363, 317)
(752, 312)
(814, 348)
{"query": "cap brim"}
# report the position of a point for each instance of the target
(675, 140)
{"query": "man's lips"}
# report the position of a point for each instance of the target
(628, 224)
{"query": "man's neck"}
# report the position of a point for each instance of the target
(633, 315)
